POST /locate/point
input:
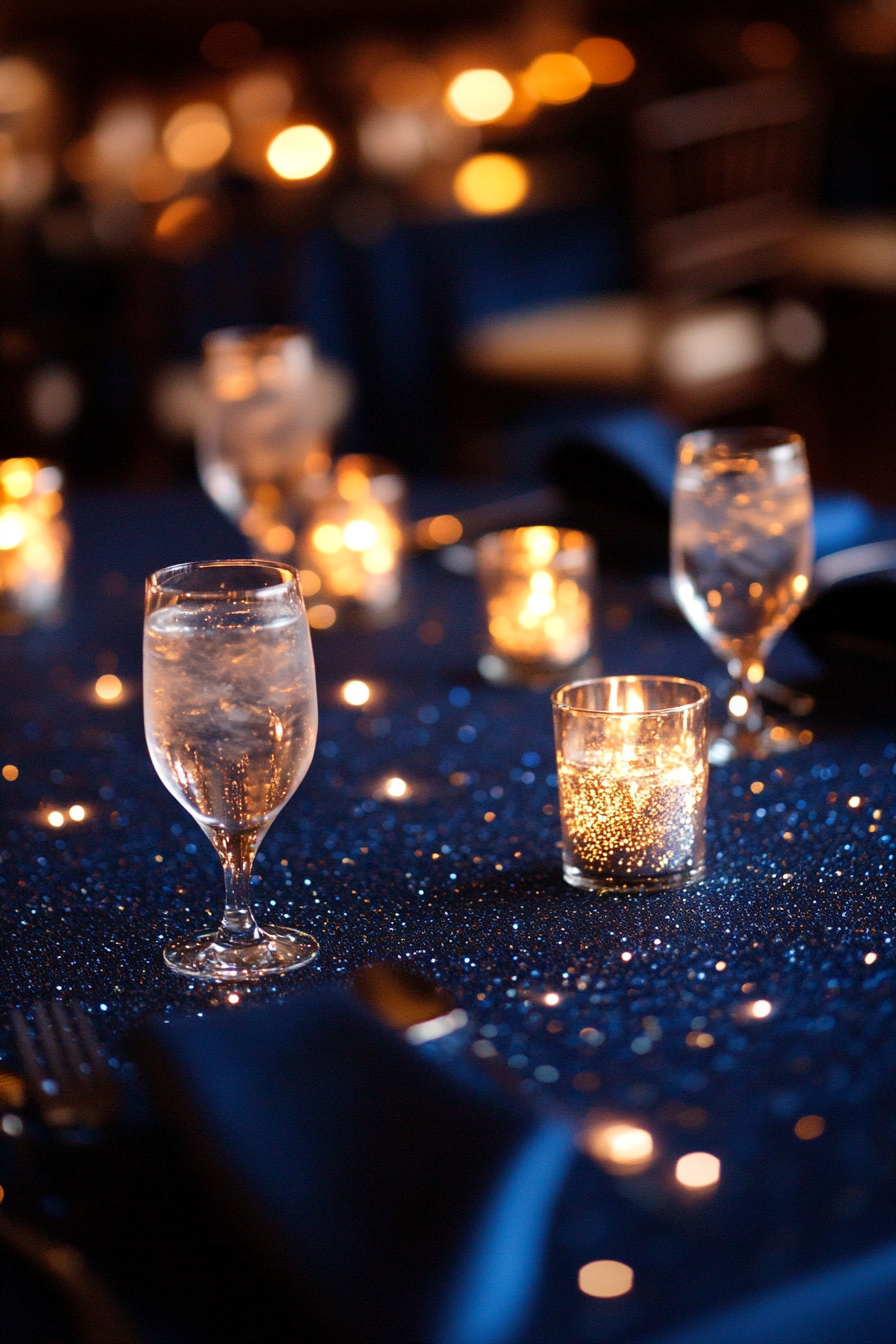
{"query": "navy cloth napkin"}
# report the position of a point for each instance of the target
(406, 1204)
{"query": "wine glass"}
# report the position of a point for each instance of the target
(230, 707)
(742, 551)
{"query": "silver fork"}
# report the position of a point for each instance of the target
(65, 1068)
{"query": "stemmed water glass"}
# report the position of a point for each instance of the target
(742, 552)
(230, 708)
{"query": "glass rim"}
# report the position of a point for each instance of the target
(777, 437)
(701, 698)
(160, 580)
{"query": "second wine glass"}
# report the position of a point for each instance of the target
(742, 552)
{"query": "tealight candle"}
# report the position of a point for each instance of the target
(632, 771)
(351, 549)
(33, 543)
(538, 585)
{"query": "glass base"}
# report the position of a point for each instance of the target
(205, 957)
(735, 741)
(634, 885)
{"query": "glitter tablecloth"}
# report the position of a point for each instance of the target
(638, 1007)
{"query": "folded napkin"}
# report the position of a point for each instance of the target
(400, 1203)
(849, 1304)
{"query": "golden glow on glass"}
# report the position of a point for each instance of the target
(800, 584)
(108, 687)
(77, 812)
(607, 60)
(300, 152)
(396, 787)
(698, 1171)
(491, 184)
(557, 77)
(356, 692)
(606, 1278)
(196, 137)
(479, 96)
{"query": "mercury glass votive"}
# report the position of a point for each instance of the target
(34, 540)
(538, 585)
(632, 770)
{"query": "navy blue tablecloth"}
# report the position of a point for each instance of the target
(593, 1003)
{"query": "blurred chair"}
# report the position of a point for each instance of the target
(720, 179)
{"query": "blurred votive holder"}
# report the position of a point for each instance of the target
(266, 420)
(632, 770)
(538, 585)
(34, 541)
(351, 551)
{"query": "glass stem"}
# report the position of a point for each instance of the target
(237, 854)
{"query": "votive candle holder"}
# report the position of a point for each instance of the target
(632, 771)
(538, 585)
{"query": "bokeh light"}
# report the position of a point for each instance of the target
(557, 77)
(321, 616)
(196, 136)
(698, 1171)
(56, 819)
(769, 45)
(606, 1278)
(396, 787)
(607, 60)
(626, 1149)
(443, 530)
(10, 772)
(759, 1009)
(491, 184)
(809, 1127)
(479, 96)
(108, 687)
(300, 152)
(356, 692)
(23, 86)
(187, 222)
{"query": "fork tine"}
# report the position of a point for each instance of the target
(90, 1042)
(34, 1071)
(71, 1046)
(42, 1067)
